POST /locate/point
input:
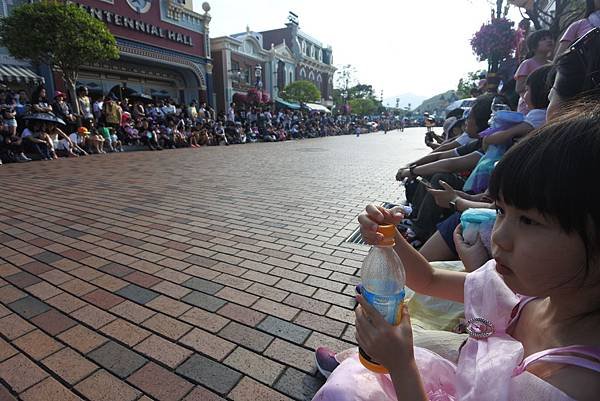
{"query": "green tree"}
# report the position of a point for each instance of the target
(61, 35)
(301, 91)
(361, 91)
(338, 96)
(344, 78)
(466, 84)
(363, 107)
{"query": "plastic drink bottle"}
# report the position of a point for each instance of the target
(383, 280)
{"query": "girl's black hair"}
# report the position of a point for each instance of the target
(539, 89)
(458, 113)
(534, 39)
(554, 171)
(482, 110)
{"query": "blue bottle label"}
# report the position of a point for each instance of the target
(390, 306)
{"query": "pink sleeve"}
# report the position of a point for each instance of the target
(575, 31)
(524, 69)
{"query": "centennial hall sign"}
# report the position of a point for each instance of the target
(111, 18)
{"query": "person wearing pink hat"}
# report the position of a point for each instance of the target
(62, 109)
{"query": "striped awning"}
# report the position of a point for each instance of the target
(18, 73)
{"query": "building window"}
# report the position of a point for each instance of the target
(249, 76)
(311, 76)
(302, 73)
(312, 51)
(235, 66)
(320, 55)
(303, 47)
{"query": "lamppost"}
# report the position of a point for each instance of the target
(235, 75)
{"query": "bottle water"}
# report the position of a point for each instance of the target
(498, 104)
(383, 280)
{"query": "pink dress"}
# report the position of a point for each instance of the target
(488, 369)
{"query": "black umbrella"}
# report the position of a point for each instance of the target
(45, 117)
(140, 96)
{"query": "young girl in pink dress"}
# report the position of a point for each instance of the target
(533, 311)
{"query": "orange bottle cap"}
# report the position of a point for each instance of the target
(388, 230)
(389, 233)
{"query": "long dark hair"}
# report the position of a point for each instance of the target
(537, 82)
(482, 110)
(35, 96)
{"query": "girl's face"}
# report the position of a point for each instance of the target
(533, 255)
(545, 46)
(471, 126)
(553, 108)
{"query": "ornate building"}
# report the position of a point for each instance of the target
(314, 61)
(164, 49)
(242, 63)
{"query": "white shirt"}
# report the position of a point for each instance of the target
(168, 109)
(75, 138)
(464, 139)
(230, 114)
(98, 106)
(536, 118)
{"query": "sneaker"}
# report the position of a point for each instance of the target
(326, 362)
(24, 158)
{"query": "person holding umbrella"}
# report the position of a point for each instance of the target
(39, 137)
(36, 135)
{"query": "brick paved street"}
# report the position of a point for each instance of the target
(191, 274)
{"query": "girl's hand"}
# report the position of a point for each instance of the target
(443, 197)
(373, 217)
(473, 256)
(391, 346)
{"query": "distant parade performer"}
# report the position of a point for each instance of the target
(429, 122)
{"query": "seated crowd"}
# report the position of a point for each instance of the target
(39, 128)
(529, 285)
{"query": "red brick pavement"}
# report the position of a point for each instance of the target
(204, 274)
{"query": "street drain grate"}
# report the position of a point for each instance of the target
(355, 237)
